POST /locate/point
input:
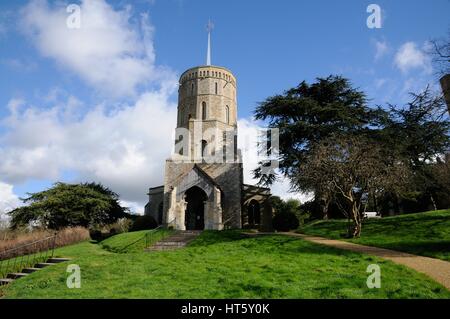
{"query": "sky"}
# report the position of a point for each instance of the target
(98, 102)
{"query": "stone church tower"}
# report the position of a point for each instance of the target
(203, 184)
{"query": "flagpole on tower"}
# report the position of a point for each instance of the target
(209, 28)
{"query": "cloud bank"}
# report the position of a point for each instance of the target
(110, 51)
(122, 146)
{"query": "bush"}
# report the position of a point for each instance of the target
(18, 238)
(123, 225)
(96, 234)
(143, 223)
(285, 221)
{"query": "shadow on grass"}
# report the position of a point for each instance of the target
(271, 242)
(429, 249)
(211, 237)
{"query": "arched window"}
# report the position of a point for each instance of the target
(227, 114)
(204, 147)
(192, 89)
(216, 88)
(204, 111)
(180, 139)
(224, 146)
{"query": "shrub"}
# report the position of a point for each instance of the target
(285, 221)
(123, 225)
(144, 222)
(96, 234)
(19, 238)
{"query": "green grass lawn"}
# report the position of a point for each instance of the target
(133, 242)
(426, 234)
(224, 265)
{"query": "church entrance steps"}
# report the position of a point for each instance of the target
(176, 241)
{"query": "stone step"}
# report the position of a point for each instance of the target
(162, 248)
(170, 244)
(170, 241)
(57, 260)
(158, 249)
(30, 270)
(43, 265)
(5, 281)
(16, 275)
(178, 240)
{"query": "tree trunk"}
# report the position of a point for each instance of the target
(324, 203)
(433, 202)
(356, 221)
(325, 209)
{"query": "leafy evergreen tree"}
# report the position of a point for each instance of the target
(66, 205)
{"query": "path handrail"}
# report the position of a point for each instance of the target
(147, 236)
(16, 259)
(25, 245)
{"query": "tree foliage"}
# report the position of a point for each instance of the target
(333, 144)
(420, 132)
(440, 53)
(66, 205)
(309, 114)
(353, 167)
(305, 116)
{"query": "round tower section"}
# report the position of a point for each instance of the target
(208, 94)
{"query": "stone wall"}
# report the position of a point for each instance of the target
(227, 177)
(212, 85)
(155, 199)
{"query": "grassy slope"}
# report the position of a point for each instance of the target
(226, 265)
(426, 234)
(131, 242)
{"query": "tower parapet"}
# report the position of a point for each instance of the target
(207, 93)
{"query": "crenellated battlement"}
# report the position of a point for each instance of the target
(202, 72)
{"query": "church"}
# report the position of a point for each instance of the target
(203, 180)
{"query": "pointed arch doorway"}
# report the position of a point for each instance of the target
(195, 209)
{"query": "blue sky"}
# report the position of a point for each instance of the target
(99, 104)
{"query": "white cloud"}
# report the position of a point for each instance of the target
(381, 49)
(8, 201)
(247, 142)
(409, 57)
(107, 51)
(123, 148)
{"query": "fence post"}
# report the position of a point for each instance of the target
(54, 243)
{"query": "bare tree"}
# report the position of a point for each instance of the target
(440, 53)
(353, 168)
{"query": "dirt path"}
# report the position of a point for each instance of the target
(437, 269)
